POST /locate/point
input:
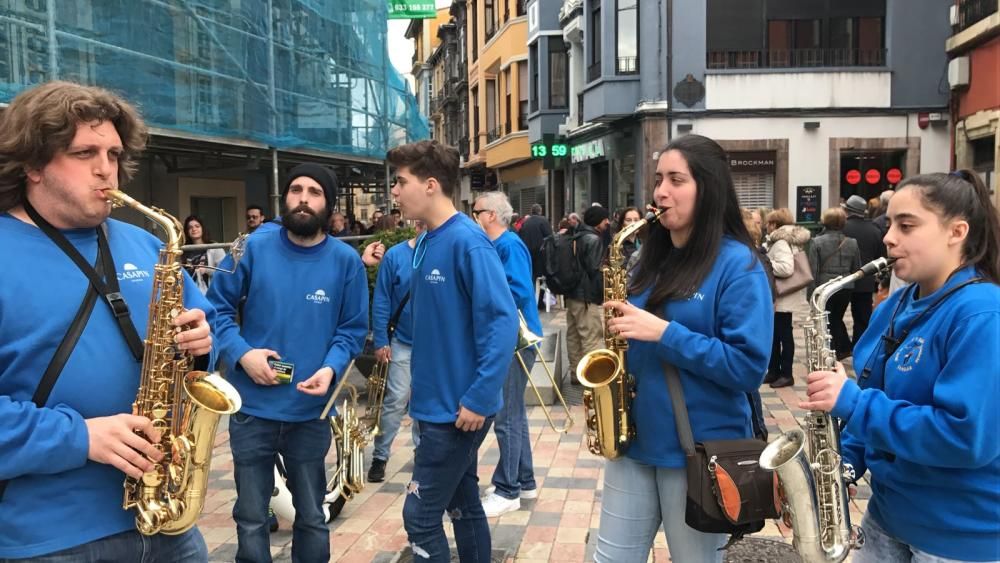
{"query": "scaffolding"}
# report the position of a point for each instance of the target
(289, 74)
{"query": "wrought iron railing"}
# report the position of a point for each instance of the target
(796, 58)
(627, 65)
(972, 11)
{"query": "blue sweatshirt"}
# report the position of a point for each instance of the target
(56, 497)
(516, 262)
(465, 323)
(391, 285)
(720, 342)
(930, 438)
(308, 304)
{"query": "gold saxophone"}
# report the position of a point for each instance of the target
(184, 406)
(609, 388)
(808, 463)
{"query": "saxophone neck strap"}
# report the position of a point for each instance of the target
(105, 283)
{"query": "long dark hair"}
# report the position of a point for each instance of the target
(963, 194)
(205, 237)
(675, 273)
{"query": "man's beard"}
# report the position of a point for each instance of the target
(305, 224)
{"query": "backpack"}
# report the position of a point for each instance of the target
(563, 272)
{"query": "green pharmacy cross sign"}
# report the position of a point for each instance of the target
(411, 9)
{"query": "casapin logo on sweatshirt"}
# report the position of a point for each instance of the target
(318, 296)
(131, 272)
(435, 276)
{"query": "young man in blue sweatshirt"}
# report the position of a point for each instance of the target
(392, 285)
(64, 460)
(464, 330)
(514, 477)
(922, 415)
(306, 305)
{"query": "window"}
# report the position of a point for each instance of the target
(520, 8)
(508, 117)
(475, 118)
(794, 43)
(522, 94)
(594, 70)
(474, 23)
(533, 57)
(558, 74)
(489, 18)
(627, 34)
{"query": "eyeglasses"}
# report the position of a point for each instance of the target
(476, 212)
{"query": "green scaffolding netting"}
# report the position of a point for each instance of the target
(310, 74)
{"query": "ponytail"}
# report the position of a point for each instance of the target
(962, 194)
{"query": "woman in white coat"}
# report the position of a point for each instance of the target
(784, 240)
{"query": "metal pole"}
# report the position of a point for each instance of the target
(50, 7)
(275, 196)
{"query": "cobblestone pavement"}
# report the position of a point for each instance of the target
(561, 525)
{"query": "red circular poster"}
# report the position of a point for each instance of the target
(872, 176)
(853, 177)
(894, 175)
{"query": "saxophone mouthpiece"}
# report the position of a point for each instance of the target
(653, 212)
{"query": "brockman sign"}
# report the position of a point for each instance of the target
(756, 161)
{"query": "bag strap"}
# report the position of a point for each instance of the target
(843, 239)
(683, 421)
(391, 328)
(107, 287)
(63, 351)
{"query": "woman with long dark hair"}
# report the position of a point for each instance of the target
(199, 262)
(699, 300)
(922, 415)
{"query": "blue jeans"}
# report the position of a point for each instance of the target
(131, 547)
(515, 469)
(444, 478)
(397, 394)
(303, 447)
(880, 547)
(637, 499)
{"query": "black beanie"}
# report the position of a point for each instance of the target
(594, 216)
(323, 176)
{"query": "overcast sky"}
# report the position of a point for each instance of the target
(401, 48)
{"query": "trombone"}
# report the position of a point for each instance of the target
(525, 340)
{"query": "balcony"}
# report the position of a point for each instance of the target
(627, 65)
(974, 11)
(494, 134)
(796, 58)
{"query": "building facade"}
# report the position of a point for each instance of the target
(974, 77)
(815, 101)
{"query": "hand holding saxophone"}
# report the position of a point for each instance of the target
(634, 323)
(196, 337)
(113, 440)
(824, 388)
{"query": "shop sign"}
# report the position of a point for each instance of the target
(752, 161)
(588, 151)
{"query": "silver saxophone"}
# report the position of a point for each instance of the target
(811, 471)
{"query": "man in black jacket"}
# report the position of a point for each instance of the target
(533, 231)
(584, 319)
(870, 245)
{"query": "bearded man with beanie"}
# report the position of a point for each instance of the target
(870, 245)
(584, 316)
(306, 305)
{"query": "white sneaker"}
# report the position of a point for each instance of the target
(495, 505)
(526, 494)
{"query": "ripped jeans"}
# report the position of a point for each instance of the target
(445, 478)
